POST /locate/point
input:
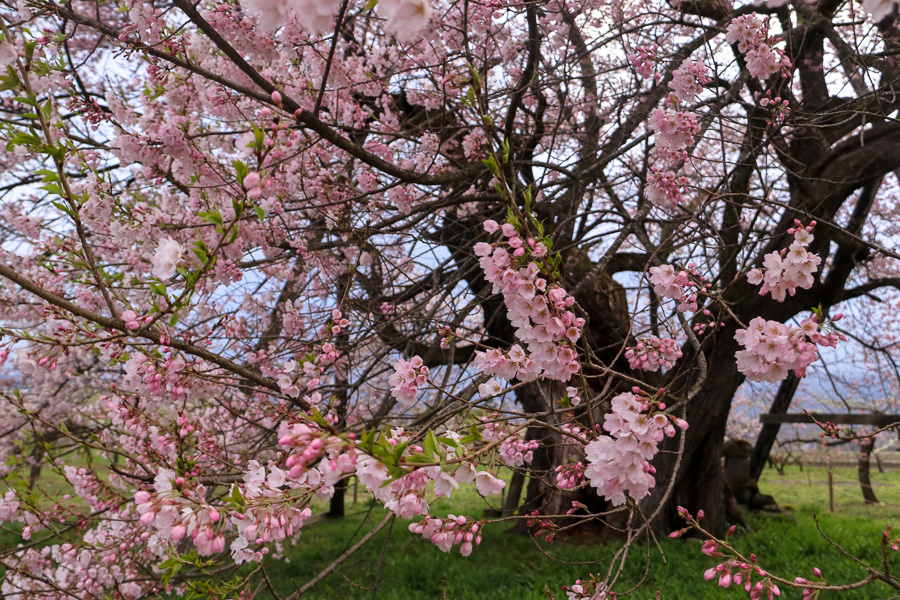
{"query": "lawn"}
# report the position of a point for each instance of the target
(511, 566)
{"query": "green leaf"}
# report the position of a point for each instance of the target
(317, 418)
(490, 164)
(260, 213)
(476, 76)
(259, 135)
(431, 445)
(236, 496)
(448, 442)
(419, 458)
(212, 217)
(470, 96)
(240, 170)
(47, 109)
(398, 451)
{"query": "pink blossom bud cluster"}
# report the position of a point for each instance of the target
(652, 352)
(618, 464)
(644, 59)
(740, 574)
(310, 444)
(688, 81)
(764, 59)
(569, 477)
(789, 269)
(513, 450)
(810, 592)
(340, 322)
(665, 188)
(178, 509)
(593, 589)
(539, 310)
(446, 533)
(447, 335)
(89, 488)
(405, 497)
(407, 378)
(771, 349)
(268, 515)
(133, 320)
(893, 544)
(540, 526)
(677, 285)
(157, 378)
(674, 131)
(780, 108)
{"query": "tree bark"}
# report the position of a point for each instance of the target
(769, 431)
(862, 468)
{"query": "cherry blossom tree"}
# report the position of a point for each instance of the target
(253, 248)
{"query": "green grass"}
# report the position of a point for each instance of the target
(808, 489)
(511, 566)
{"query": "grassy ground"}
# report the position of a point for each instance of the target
(509, 566)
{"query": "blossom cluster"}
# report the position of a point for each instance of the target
(764, 59)
(780, 108)
(771, 349)
(677, 285)
(789, 269)
(9, 507)
(405, 17)
(513, 450)
(618, 464)
(644, 59)
(294, 376)
(674, 131)
(446, 533)
(539, 310)
(569, 477)
(407, 378)
(688, 81)
(311, 444)
(665, 188)
(591, 589)
(879, 8)
(178, 510)
(268, 514)
(650, 353)
(166, 258)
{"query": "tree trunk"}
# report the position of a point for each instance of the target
(769, 431)
(514, 494)
(336, 504)
(698, 482)
(862, 468)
